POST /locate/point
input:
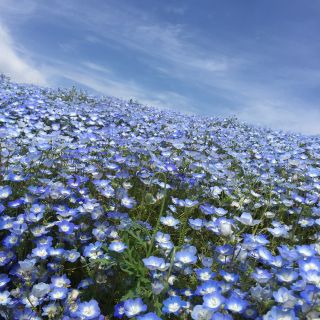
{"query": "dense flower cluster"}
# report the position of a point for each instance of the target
(110, 209)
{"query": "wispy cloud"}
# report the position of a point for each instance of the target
(13, 64)
(279, 116)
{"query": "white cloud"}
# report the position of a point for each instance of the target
(119, 88)
(15, 66)
(287, 117)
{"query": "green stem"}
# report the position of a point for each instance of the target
(159, 217)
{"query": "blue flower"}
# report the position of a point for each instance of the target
(66, 226)
(58, 293)
(235, 304)
(148, 316)
(154, 263)
(186, 257)
(88, 310)
(200, 312)
(204, 274)
(170, 221)
(40, 290)
(10, 241)
(4, 279)
(196, 224)
(60, 281)
(207, 287)
(41, 252)
(117, 246)
(71, 255)
(280, 313)
(119, 310)
(128, 202)
(133, 307)
(173, 305)
(5, 192)
(213, 301)
(5, 298)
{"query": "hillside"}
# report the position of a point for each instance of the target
(111, 209)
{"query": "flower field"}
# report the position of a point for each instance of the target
(114, 210)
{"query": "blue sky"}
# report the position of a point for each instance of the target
(256, 60)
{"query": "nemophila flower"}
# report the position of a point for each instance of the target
(37, 208)
(128, 202)
(279, 231)
(287, 253)
(285, 297)
(157, 287)
(4, 279)
(27, 265)
(213, 301)
(148, 316)
(208, 287)
(40, 290)
(72, 255)
(264, 254)
(311, 276)
(306, 251)
(261, 275)
(85, 283)
(310, 295)
(58, 293)
(117, 246)
(50, 310)
(66, 226)
(206, 261)
(15, 203)
(30, 301)
(287, 275)
(60, 281)
(119, 310)
(190, 203)
(246, 219)
(5, 192)
(41, 252)
(200, 312)
(309, 264)
(252, 242)
(88, 310)
(220, 212)
(222, 316)
(5, 298)
(196, 224)
(163, 240)
(187, 292)
(207, 209)
(221, 226)
(229, 277)
(170, 221)
(235, 304)
(44, 241)
(173, 305)
(10, 241)
(39, 231)
(186, 257)
(56, 252)
(277, 312)
(226, 250)
(133, 307)
(93, 250)
(204, 274)
(155, 263)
